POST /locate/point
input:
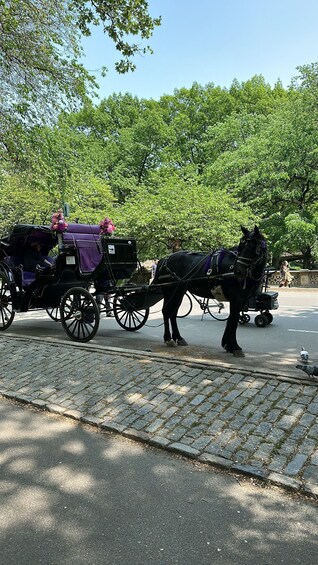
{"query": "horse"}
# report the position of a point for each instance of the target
(225, 274)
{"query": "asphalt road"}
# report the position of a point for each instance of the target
(273, 348)
(72, 496)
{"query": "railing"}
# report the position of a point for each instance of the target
(302, 278)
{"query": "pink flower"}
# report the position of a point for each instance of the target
(106, 226)
(58, 221)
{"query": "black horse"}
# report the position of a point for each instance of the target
(228, 275)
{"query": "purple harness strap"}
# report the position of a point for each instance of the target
(214, 262)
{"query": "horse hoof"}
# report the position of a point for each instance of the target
(182, 342)
(171, 343)
(238, 353)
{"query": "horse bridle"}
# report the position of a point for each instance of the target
(248, 262)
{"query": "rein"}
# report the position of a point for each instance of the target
(174, 275)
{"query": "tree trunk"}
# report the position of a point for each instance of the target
(307, 258)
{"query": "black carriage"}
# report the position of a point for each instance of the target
(263, 301)
(86, 266)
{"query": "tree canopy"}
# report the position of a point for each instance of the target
(192, 166)
(40, 51)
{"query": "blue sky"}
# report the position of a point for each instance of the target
(213, 41)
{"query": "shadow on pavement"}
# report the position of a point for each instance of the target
(74, 496)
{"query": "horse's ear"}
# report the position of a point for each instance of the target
(245, 231)
(256, 231)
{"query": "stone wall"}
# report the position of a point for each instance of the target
(303, 278)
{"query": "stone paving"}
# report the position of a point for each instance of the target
(244, 422)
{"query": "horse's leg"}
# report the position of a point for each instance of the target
(229, 337)
(170, 309)
(176, 336)
(166, 321)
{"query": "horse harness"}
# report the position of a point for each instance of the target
(213, 264)
(212, 267)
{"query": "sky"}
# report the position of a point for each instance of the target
(212, 41)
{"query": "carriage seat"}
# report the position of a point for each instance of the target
(27, 278)
(17, 262)
(85, 239)
(13, 261)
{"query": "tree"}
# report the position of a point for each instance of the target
(120, 19)
(180, 209)
(56, 166)
(275, 171)
(189, 113)
(22, 202)
(122, 140)
(40, 69)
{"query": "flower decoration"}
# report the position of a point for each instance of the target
(58, 221)
(106, 226)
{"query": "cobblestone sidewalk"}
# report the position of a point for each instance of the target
(249, 423)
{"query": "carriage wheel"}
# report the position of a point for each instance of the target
(261, 321)
(6, 310)
(269, 317)
(79, 314)
(185, 307)
(130, 320)
(244, 318)
(54, 313)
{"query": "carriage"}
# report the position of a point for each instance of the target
(87, 268)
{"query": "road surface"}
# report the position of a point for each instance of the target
(274, 348)
(72, 496)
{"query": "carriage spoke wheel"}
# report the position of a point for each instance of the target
(6, 309)
(129, 319)
(79, 314)
(54, 313)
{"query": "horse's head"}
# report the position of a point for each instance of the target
(251, 253)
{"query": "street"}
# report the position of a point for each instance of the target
(73, 496)
(274, 348)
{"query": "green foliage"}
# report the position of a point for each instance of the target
(39, 54)
(120, 19)
(40, 51)
(181, 209)
(190, 167)
(22, 203)
(274, 170)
